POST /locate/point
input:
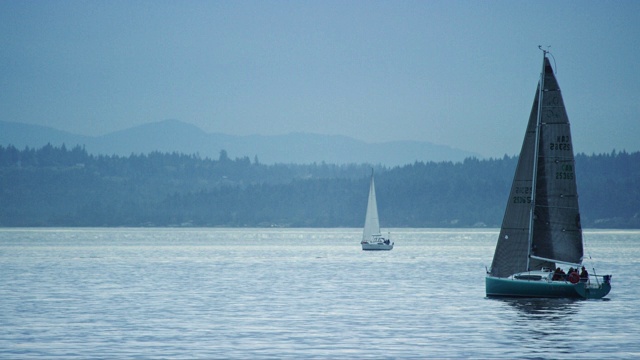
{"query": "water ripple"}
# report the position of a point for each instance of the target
(292, 293)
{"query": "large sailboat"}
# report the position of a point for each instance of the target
(541, 234)
(371, 237)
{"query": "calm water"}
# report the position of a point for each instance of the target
(295, 293)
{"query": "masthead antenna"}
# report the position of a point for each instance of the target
(547, 51)
(543, 50)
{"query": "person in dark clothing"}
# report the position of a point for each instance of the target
(558, 275)
(584, 275)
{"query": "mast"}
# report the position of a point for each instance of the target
(535, 157)
(371, 222)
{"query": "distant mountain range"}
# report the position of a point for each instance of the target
(177, 136)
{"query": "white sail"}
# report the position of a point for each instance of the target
(371, 222)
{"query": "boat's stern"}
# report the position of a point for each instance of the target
(595, 290)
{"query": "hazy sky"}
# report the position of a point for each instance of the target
(458, 73)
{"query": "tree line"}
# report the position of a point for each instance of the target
(57, 186)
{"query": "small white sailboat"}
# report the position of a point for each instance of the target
(371, 237)
(541, 229)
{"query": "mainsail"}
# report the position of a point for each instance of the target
(371, 222)
(541, 225)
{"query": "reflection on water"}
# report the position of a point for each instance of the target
(541, 309)
(544, 328)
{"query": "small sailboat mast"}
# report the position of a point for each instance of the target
(371, 221)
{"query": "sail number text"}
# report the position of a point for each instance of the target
(562, 143)
(565, 173)
(522, 195)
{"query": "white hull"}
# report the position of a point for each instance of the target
(376, 246)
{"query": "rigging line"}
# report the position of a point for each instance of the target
(548, 51)
(555, 66)
(586, 247)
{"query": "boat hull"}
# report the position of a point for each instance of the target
(509, 287)
(594, 292)
(376, 246)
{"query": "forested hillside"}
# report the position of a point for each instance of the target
(56, 186)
